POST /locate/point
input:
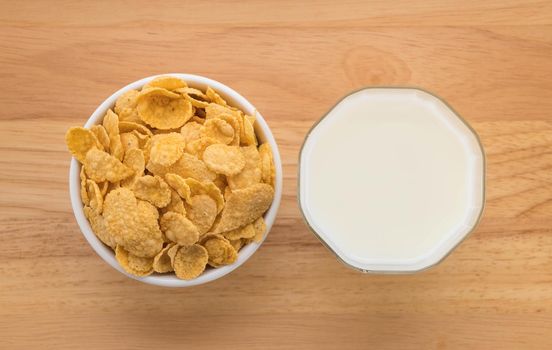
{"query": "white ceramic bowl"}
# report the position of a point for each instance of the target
(170, 280)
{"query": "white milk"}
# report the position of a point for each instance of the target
(391, 179)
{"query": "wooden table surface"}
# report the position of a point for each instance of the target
(491, 60)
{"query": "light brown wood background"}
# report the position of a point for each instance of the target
(491, 60)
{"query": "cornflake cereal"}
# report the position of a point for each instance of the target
(173, 179)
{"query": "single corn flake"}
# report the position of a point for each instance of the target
(251, 173)
(237, 244)
(202, 211)
(179, 185)
(134, 159)
(132, 264)
(99, 227)
(176, 204)
(126, 126)
(268, 170)
(179, 229)
(166, 149)
(152, 189)
(224, 159)
(102, 136)
(83, 192)
(163, 109)
(234, 121)
(132, 223)
(166, 82)
(248, 138)
(79, 141)
(162, 261)
(191, 131)
(197, 98)
(149, 238)
(190, 262)
(260, 228)
(111, 125)
(101, 166)
(129, 141)
(247, 231)
(218, 129)
(214, 97)
(220, 251)
(245, 206)
(171, 252)
(214, 110)
(208, 188)
(126, 100)
(95, 196)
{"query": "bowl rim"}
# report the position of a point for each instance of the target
(261, 127)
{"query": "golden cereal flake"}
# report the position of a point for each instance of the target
(178, 229)
(134, 265)
(191, 131)
(129, 141)
(196, 97)
(126, 126)
(179, 185)
(95, 196)
(207, 188)
(237, 244)
(223, 159)
(220, 251)
(190, 262)
(111, 125)
(99, 227)
(132, 223)
(202, 211)
(163, 109)
(251, 173)
(101, 166)
(268, 170)
(79, 141)
(245, 206)
(162, 261)
(176, 204)
(166, 149)
(101, 135)
(247, 231)
(260, 228)
(83, 192)
(215, 97)
(166, 82)
(152, 189)
(248, 138)
(218, 129)
(134, 159)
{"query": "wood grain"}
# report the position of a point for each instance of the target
(489, 59)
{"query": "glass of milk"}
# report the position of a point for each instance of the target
(391, 180)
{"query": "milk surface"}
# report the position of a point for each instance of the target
(387, 177)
